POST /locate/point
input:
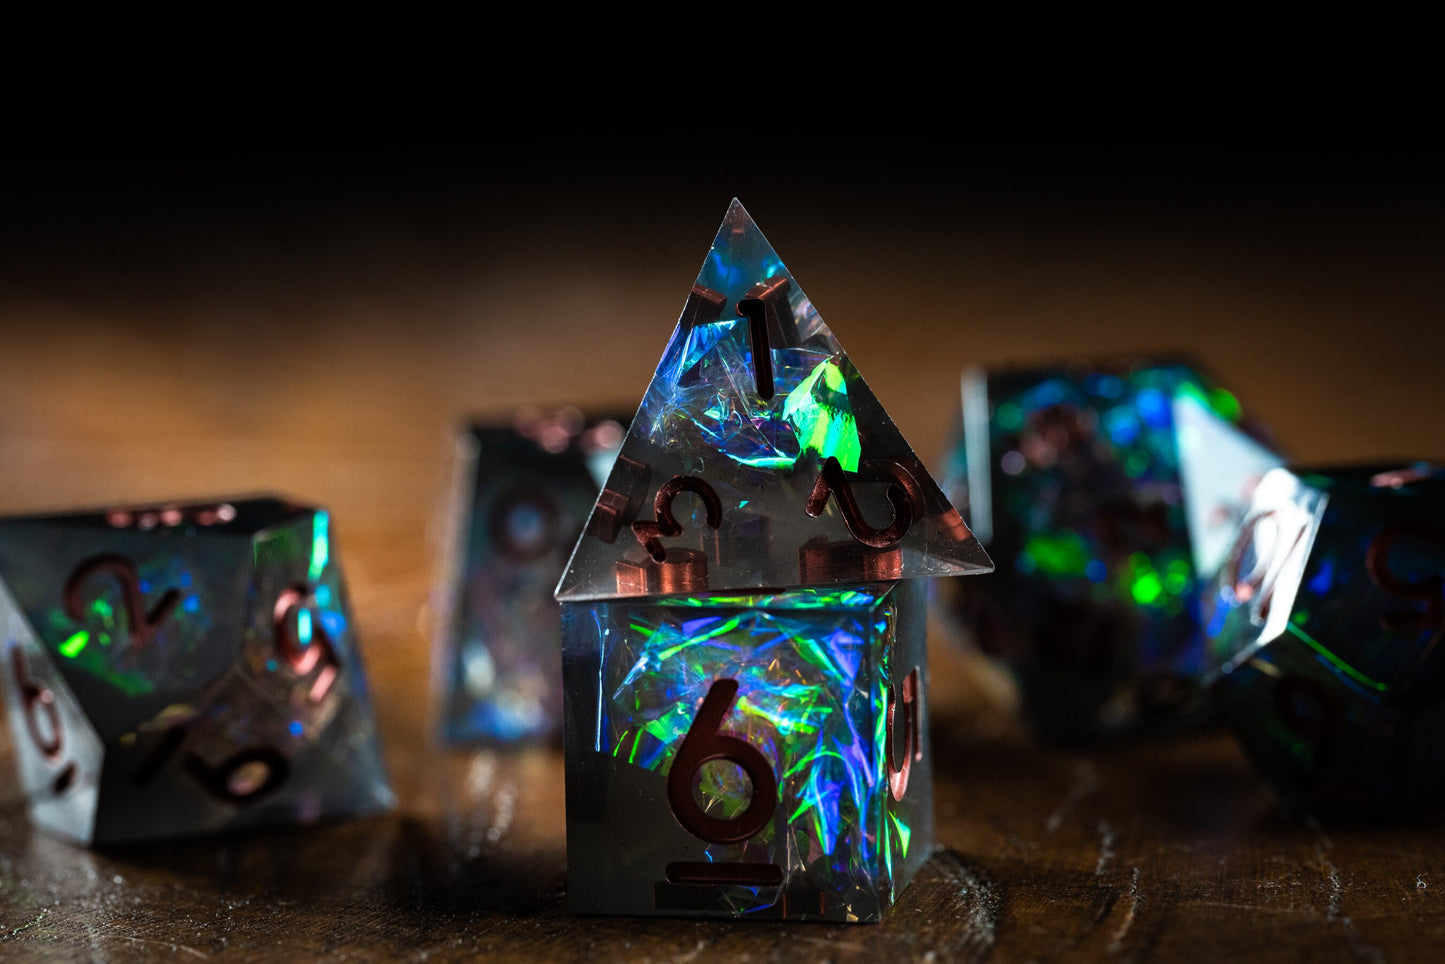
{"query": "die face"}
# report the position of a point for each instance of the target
(1324, 628)
(1106, 493)
(57, 750)
(756, 437)
(730, 755)
(276, 725)
(134, 619)
(525, 492)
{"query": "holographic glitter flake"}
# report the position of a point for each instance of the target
(184, 669)
(1323, 629)
(1109, 493)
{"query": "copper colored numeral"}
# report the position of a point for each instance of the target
(1427, 590)
(142, 625)
(244, 777)
(756, 312)
(36, 698)
(649, 533)
(898, 771)
(903, 494)
(303, 658)
(705, 743)
(1261, 581)
(724, 873)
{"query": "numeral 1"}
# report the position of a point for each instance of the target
(898, 771)
(140, 624)
(756, 312)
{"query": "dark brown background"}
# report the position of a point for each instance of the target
(241, 253)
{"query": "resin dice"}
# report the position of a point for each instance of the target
(1324, 630)
(1108, 495)
(743, 624)
(183, 670)
(750, 755)
(524, 489)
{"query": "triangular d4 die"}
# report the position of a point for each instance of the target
(760, 458)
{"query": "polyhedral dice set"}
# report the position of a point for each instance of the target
(743, 624)
(524, 489)
(743, 681)
(1107, 494)
(184, 669)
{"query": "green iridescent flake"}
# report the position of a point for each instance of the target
(320, 544)
(1334, 660)
(277, 546)
(71, 647)
(1178, 573)
(1009, 417)
(1225, 404)
(792, 599)
(1057, 553)
(822, 417)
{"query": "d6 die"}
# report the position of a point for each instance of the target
(1107, 493)
(182, 670)
(523, 494)
(1324, 627)
(755, 755)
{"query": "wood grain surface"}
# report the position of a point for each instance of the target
(324, 343)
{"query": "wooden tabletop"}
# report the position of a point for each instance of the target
(322, 339)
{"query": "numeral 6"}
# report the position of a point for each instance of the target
(705, 743)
